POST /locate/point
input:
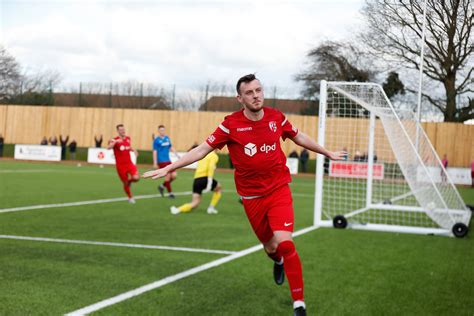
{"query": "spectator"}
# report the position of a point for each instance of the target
(445, 166)
(1, 145)
(304, 157)
(358, 156)
(293, 154)
(63, 146)
(98, 141)
(53, 141)
(44, 141)
(472, 174)
(365, 156)
(72, 150)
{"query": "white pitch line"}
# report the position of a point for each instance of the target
(116, 244)
(27, 171)
(35, 207)
(173, 278)
(138, 197)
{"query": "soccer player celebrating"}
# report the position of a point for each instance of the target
(126, 170)
(252, 136)
(203, 181)
(161, 158)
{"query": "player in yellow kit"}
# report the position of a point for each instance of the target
(203, 181)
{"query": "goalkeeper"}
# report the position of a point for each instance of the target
(203, 182)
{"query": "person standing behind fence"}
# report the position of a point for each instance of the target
(304, 157)
(98, 141)
(472, 174)
(53, 141)
(72, 149)
(63, 146)
(161, 158)
(445, 166)
(1, 145)
(44, 141)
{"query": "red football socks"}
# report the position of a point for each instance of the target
(126, 188)
(293, 270)
(167, 184)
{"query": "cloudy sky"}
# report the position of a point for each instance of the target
(172, 42)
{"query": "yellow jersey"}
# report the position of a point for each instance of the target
(206, 166)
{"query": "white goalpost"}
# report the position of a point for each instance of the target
(392, 179)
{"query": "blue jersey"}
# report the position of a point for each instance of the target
(162, 146)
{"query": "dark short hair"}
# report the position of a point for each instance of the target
(245, 79)
(161, 126)
(117, 127)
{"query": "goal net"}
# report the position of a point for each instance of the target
(392, 178)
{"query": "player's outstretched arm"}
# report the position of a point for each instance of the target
(307, 142)
(111, 144)
(191, 156)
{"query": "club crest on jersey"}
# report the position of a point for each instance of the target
(273, 126)
(211, 138)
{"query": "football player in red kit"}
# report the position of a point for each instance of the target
(126, 170)
(252, 136)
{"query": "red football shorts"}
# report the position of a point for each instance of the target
(124, 170)
(164, 164)
(271, 213)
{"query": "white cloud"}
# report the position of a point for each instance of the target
(182, 42)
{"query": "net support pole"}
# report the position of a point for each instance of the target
(318, 197)
(370, 160)
(420, 78)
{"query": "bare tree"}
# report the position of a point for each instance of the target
(394, 34)
(333, 61)
(10, 75)
(40, 81)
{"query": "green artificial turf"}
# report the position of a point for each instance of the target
(346, 272)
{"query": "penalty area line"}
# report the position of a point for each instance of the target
(117, 244)
(36, 207)
(173, 278)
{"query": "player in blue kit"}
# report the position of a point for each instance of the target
(161, 158)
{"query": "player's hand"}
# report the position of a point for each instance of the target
(155, 174)
(337, 155)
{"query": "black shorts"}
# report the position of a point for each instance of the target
(200, 185)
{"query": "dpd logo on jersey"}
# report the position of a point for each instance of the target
(273, 126)
(250, 149)
(267, 148)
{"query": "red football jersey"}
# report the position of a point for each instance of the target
(122, 151)
(254, 147)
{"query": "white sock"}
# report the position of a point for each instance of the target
(297, 304)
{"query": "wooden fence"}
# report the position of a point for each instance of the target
(28, 124)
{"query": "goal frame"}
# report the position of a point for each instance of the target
(319, 221)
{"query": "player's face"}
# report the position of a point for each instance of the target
(162, 131)
(121, 131)
(251, 95)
